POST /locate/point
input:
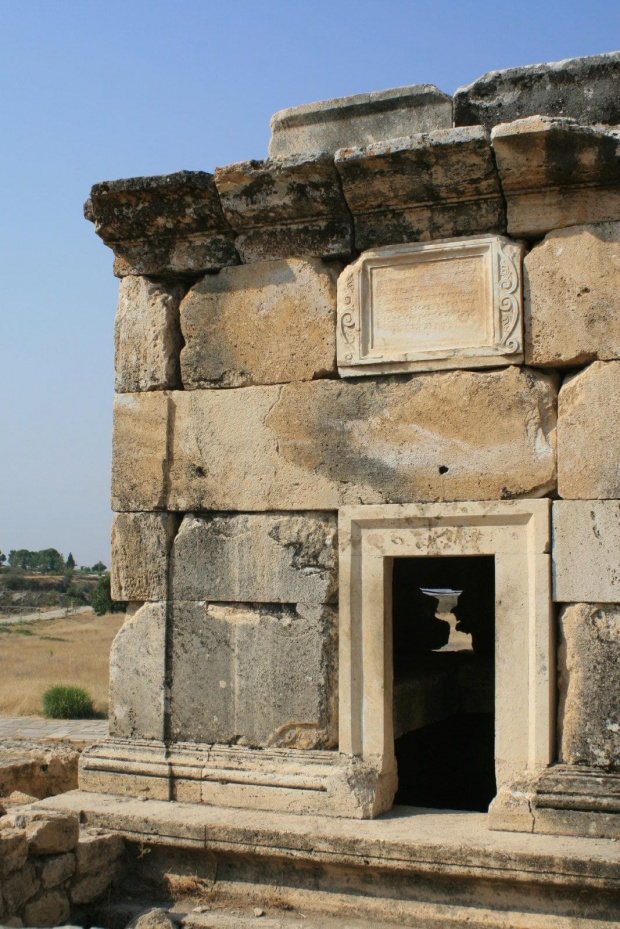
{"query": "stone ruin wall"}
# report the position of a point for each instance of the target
(236, 439)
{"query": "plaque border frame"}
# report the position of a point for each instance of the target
(504, 311)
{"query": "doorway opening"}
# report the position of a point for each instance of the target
(443, 621)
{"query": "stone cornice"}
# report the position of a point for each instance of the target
(528, 177)
(168, 224)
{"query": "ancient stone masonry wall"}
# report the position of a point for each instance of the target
(238, 437)
(50, 868)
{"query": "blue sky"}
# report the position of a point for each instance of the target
(99, 89)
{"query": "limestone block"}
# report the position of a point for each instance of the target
(147, 335)
(254, 676)
(155, 918)
(586, 551)
(13, 848)
(589, 433)
(589, 682)
(264, 323)
(91, 886)
(323, 444)
(56, 869)
(19, 887)
(140, 450)
(362, 119)
(97, 850)
(140, 549)
(137, 672)
(428, 186)
(585, 89)
(572, 296)
(48, 833)
(167, 225)
(292, 207)
(262, 558)
(556, 173)
(40, 769)
(49, 909)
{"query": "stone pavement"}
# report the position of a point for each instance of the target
(35, 728)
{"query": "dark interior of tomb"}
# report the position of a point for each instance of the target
(444, 681)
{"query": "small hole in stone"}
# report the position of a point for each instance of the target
(443, 469)
(199, 471)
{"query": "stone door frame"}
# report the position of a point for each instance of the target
(517, 533)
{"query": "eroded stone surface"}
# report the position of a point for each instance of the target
(428, 186)
(556, 173)
(586, 551)
(140, 450)
(572, 296)
(585, 89)
(262, 558)
(322, 444)
(589, 663)
(264, 323)
(168, 224)
(140, 549)
(147, 335)
(293, 207)
(137, 674)
(40, 769)
(589, 433)
(254, 675)
(359, 120)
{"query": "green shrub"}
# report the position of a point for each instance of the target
(102, 601)
(64, 702)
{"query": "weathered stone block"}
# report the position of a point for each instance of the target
(56, 869)
(137, 672)
(288, 208)
(254, 676)
(323, 444)
(586, 551)
(48, 833)
(88, 888)
(572, 296)
(589, 669)
(363, 119)
(556, 173)
(585, 89)
(263, 558)
(40, 769)
(167, 225)
(589, 433)
(50, 909)
(140, 449)
(140, 549)
(13, 848)
(429, 186)
(147, 335)
(264, 323)
(97, 850)
(19, 887)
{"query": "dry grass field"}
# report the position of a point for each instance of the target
(36, 655)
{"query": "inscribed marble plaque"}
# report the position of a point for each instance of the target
(454, 303)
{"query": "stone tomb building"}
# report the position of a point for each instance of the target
(366, 486)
